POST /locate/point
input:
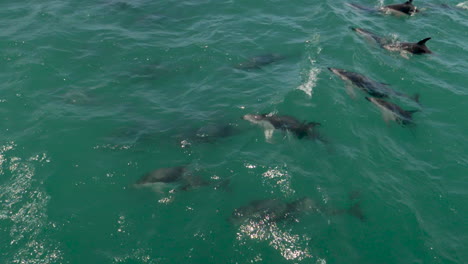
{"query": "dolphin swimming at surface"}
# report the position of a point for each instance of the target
(163, 176)
(411, 47)
(272, 210)
(270, 122)
(210, 133)
(406, 8)
(393, 112)
(275, 210)
(371, 87)
(417, 48)
(259, 61)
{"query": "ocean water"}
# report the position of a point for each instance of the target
(94, 94)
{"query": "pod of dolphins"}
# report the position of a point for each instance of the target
(377, 93)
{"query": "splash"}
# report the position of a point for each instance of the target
(463, 5)
(312, 77)
(141, 255)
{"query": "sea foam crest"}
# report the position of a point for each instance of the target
(311, 81)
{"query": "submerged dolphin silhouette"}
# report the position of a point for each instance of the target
(371, 87)
(271, 210)
(275, 210)
(162, 176)
(182, 177)
(259, 61)
(391, 111)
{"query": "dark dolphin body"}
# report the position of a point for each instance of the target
(371, 87)
(414, 48)
(271, 210)
(213, 132)
(411, 47)
(393, 112)
(163, 175)
(259, 61)
(178, 174)
(210, 133)
(285, 123)
(275, 210)
(406, 8)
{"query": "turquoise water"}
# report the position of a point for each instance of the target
(95, 94)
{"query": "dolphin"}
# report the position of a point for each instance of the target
(210, 133)
(406, 8)
(276, 210)
(371, 87)
(271, 210)
(270, 122)
(391, 111)
(370, 35)
(417, 48)
(259, 61)
(411, 47)
(163, 176)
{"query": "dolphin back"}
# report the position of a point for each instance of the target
(406, 8)
(380, 40)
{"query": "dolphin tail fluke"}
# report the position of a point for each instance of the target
(423, 42)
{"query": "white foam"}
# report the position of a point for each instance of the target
(311, 82)
(463, 5)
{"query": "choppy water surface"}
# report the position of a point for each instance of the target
(95, 94)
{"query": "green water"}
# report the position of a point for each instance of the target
(94, 94)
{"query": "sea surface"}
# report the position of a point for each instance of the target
(95, 94)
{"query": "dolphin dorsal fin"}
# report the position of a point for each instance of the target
(409, 2)
(411, 112)
(423, 42)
